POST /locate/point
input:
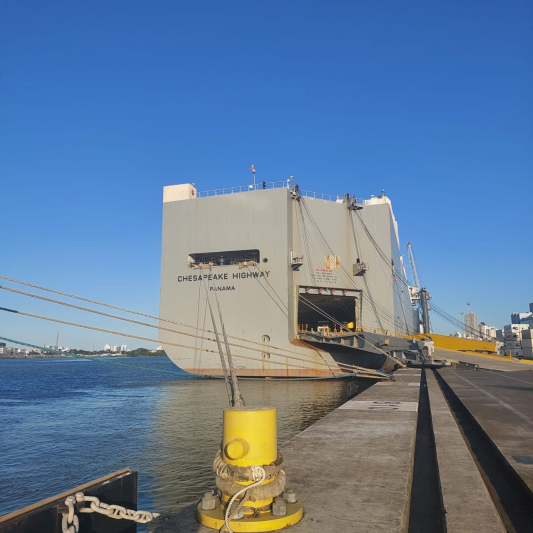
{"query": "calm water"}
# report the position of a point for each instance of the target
(64, 422)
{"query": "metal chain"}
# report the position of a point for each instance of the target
(114, 511)
(70, 522)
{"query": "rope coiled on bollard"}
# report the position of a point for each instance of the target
(229, 479)
(258, 475)
(257, 493)
(243, 474)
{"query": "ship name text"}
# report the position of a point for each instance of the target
(235, 275)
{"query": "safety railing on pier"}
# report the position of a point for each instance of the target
(276, 185)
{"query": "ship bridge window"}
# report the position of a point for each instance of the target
(227, 258)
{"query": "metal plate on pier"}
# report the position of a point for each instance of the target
(385, 405)
(525, 459)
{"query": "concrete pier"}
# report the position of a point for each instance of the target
(466, 500)
(354, 470)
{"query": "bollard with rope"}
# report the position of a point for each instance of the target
(251, 490)
(248, 465)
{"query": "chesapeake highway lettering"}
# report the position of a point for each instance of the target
(223, 277)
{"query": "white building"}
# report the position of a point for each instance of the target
(114, 349)
(486, 332)
(123, 348)
(107, 347)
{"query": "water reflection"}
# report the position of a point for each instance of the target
(64, 423)
(187, 429)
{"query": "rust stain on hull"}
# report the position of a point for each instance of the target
(268, 373)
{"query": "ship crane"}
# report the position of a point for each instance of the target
(414, 273)
(419, 296)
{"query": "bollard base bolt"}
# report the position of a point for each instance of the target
(289, 496)
(209, 502)
(278, 507)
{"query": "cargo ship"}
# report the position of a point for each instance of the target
(305, 284)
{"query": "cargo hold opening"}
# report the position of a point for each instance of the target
(340, 305)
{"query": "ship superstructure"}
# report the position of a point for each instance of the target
(305, 281)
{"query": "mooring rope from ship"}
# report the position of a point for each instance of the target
(323, 243)
(338, 365)
(236, 399)
(102, 330)
(149, 316)
(397, 325)
(378, 252)
(146, 324)
(221, 353)
(385, 313)
(340, 324)
(185, 375)
(325, 248)
(323, 362)
(131, 311)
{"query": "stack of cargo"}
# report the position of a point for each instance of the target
(527, 342)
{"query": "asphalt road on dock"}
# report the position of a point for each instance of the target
(502, 404)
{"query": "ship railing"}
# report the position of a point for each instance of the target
(275, 185)
(326, 331)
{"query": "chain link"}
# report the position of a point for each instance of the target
(114, 511)
(70, 522)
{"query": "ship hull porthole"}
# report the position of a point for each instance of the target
(266, 341)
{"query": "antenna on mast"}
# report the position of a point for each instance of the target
(252, 168)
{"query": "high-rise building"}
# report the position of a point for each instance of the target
(471, 327)
(123, 348)
(107, 347)
(114, 349)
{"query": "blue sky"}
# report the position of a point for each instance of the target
(103, 103)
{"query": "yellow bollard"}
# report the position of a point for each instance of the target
(250, 441)
(250, 436)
